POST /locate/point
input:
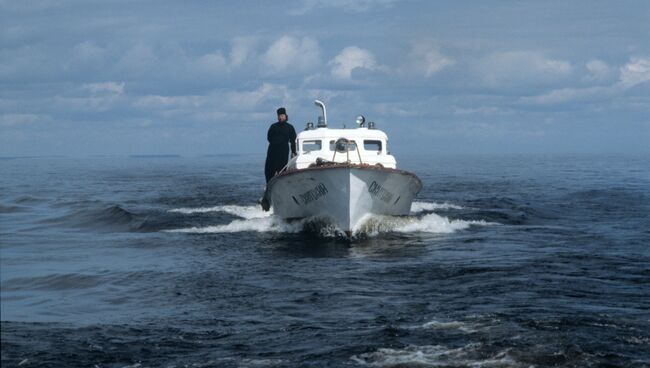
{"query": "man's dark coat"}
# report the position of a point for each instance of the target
(277, 155)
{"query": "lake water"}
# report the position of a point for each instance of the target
(506, 261)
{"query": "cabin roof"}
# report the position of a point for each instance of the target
(356, 133)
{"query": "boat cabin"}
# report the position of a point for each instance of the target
(357, 146)
(319, 145)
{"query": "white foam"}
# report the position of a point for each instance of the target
(431, 223)
(434, 356)
(270, 224)
(261, 225)
(449, 325)
(417, 207)
(253, 218)
(247, 212)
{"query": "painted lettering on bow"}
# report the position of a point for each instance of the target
(313, 194)
(380, 192)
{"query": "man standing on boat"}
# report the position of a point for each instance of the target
(279, 135)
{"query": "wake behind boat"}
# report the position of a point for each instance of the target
(342, 176)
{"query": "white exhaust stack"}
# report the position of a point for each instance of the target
(322, 120)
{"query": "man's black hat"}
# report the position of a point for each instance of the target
(281, 111)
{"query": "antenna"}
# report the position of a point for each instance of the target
(323, 123)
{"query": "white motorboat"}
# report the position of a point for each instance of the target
(341, 176)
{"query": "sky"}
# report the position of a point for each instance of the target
(86, 77)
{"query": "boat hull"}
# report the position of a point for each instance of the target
(343, 194)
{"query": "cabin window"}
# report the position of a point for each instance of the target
(308, 146)
(372, 146)
(352, 146)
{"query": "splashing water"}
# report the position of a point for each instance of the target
(417, 207)
(255, 220)
(430, 223)
(436, 356)
(247, 212)
(268, 224)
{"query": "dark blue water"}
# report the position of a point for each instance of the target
(506, 261)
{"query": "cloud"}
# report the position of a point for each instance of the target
(74, 105)
(291, 53)
(513, 68)
(242, 49)
(427, 60)
(635, 72)
(28, 62)
(564, 95)
(87, 51)
(253, 100)
(166, 102)
(351, 58)
(213, 63)
(139, 59)
(8, 120)
(482, 110)
(174, 67)
(230, 105)
(352, 6)
(110, 87)
(598, 70)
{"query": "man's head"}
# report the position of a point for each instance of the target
(282, 115)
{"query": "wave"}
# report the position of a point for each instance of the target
(430, 223)
(27, 199)
(12, 209)
(253, 219)
(269, 224)
(107, 218)
(448, 325)
(510, 211)
(247, 212)
(436, 356)
(417, 207)
(52, 282)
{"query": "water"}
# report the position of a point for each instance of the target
(506, 261)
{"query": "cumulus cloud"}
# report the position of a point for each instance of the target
(216, 62)
(521, 68)
(635, 72)
(150, 65)
(598, 70)
(351, 58)
(252, 100)
(213, 62)
(242, 49)
(218, 105)
(427, 60)
(292, 53)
